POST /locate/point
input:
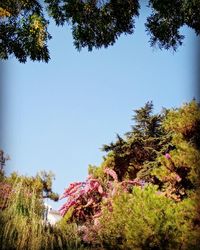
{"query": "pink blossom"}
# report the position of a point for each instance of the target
(178, 178)
(73, 187)
(90, 201)
(97, 215)
(63, 210)
(167, 156)
(100, 189)
(87, 187)
(112, 173)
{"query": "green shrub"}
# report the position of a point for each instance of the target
(146, 219)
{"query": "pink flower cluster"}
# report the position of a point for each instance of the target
(112, 173)
(85, 197)
(82, 195)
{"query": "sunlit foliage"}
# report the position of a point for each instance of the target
(94, 23)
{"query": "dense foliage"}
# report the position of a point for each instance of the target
(144, 195)
(42, 184)
(94, 23)
(22, 214)
(23, 30)
(146, 219)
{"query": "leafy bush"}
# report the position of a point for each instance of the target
(146, 219)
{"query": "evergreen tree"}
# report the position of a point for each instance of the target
(133, 155)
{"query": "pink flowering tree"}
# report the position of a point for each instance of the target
(84, 198)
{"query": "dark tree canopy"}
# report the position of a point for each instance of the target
(167, 17)
(94, 23)
(23, 30)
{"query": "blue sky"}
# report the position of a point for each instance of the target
(58, 115)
